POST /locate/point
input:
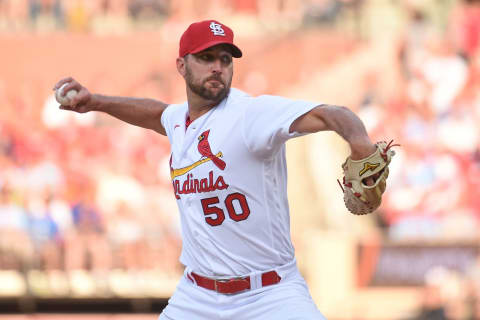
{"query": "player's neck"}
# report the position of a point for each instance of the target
(197, 106)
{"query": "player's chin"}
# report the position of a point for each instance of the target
(216, 93)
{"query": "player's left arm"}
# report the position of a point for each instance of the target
(340, 120)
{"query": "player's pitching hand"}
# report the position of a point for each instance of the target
(80, 102)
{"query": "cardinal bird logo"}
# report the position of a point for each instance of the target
(207, 155)
(205, 151)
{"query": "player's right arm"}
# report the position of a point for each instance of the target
(145, 113)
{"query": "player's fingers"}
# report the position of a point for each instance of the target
(369, 181)
(62, 107)
(81, 98)
(72, 85)
(61, 82)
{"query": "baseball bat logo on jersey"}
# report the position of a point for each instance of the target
(193, 185)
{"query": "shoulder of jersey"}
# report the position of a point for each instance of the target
(173, 107)
(238, 97)
(176, 105)
(236, 93)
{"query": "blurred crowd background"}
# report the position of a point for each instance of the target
(86, 204)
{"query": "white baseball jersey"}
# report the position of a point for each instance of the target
(229, 176)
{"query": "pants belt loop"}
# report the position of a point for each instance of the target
(255, 281)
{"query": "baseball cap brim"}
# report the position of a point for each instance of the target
(236, 52)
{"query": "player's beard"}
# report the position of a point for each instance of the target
(201, 90)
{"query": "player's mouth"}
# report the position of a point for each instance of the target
(215, 83)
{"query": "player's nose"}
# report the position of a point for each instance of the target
(216, 66)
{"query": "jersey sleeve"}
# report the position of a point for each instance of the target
(267, 121)
(165, 118)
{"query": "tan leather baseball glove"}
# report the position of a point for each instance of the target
(359, 197)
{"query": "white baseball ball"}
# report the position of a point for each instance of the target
(64, 99)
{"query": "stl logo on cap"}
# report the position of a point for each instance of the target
(205, 34)
(217, 29)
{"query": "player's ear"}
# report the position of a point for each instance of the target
(181, 65)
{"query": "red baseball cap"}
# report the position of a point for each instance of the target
(205, 34)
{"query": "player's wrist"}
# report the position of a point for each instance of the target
(361, 148)
(97, 102)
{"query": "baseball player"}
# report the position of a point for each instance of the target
(229, 177)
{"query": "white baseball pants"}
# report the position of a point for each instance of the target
(287, 300)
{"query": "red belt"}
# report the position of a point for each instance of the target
(233, 285)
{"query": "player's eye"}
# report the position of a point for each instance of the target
(226, 59)
(207, 57)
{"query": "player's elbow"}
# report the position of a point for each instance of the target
(329, 113)
(328, 109)
(334, 117)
